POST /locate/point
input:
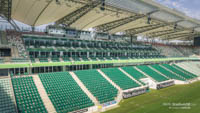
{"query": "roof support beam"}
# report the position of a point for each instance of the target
(12, 23)
(77, 14)
(179, 34)
(188, 38)
(114, 24)
(178, 38)
(184, 35)
(166, 33)
(145, 28)
(5, 8)
(162, 32)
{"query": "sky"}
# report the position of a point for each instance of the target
(189, 7)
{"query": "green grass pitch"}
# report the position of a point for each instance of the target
(174, 99)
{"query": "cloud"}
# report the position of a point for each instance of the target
(188, 7)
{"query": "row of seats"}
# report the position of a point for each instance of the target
(97, 85)
(168, 51)
(27, 97)
(166, 72)
(40, 45)
(187, 72)
(120, 78)
(19, 60)
(64, 92)
(69, 59)
(155, 75)
(63, 42)
(177, 71)
(131, 54)
(7, 103)
(170, 71)
(67, 96)
(134, 73)
(57, 59)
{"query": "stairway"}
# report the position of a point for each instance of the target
(130, 76)
(108, 79)
(47, 102)
(184, 72)
(119, 96)
(145, 74)
(173, 72)
(94, 100)
(13, 94)
(191, 68)
(159, 72)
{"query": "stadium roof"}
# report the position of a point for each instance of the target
(134, 17)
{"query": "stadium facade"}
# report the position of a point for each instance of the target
(68, 69)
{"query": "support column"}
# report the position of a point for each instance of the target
(33, 28)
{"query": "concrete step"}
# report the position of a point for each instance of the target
(82, 86)
(173, 72)
(130, 76)
(191, 68)
(119, 96)
(109, 80)
(145, 74)
(183, 71)
(47, 102)
(13, 94)
(158, 72)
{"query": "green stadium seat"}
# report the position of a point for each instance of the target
(66, 59)
(64, 45)
(85, 59)
(134, 73)
(7, 103)
(101, 58)
(120, 78)
(64, 92)
(180, 73)
(43, 59)
(102, 90)
(55, 59)
(166, 72)
(189, 73)
(19, 60)
(27, 97)
(93, 58)
(156, 76)
(76, 59)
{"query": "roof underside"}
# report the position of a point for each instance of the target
(128, 16)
